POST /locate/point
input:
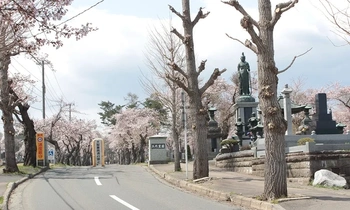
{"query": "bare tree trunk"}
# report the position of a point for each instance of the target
(29, 137)
(200, 147)
(274, 127)
(274, 124)
(142, 148)
(200, 165)
(29, 131)
(190, 85)
(7, 118)
(177, 165)
(133, 153)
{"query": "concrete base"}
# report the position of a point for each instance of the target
(158, 162)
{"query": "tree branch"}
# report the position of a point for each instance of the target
(175, 67)
(332, 14)
(295, 57)
(281, 8)
(176, 12)
(174, 31)
(247, 43)
(18, 118)
(238, 7)
(247, 23)
(211, 80)
(343, 102)
(178, 81)
(200, 15)
(201, 67)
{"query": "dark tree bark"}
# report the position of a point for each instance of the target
(174, 131)
(142, 148)
(274, 124)
(7, 107)
(29, 131)
(29, 136)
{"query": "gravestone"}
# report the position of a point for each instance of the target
(323, 117)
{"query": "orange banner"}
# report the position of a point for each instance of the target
(40, 146)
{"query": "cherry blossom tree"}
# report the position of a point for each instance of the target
(75, 137)
(17, 90)
(25, 27)
(129, 135)
(340, 94)
(190, 83)
(71, 138)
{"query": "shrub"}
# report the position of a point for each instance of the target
(231, 144)
(303, 141)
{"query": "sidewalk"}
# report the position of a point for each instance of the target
(241, 188)
(8, 182)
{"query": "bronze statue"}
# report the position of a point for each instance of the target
(239, 125)
(252, 121)
(244, 76)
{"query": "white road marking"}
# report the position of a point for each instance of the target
(124, 203)
(97, 181)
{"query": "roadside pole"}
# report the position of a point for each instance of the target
(185, 130)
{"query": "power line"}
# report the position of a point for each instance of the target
(58, 84)
(25, 69)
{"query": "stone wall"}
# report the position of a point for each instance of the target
(299, 165)
(236, 161)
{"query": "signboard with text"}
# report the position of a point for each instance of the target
(98, 152)
(40, 153)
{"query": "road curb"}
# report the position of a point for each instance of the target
(12, 185)
(236, 199)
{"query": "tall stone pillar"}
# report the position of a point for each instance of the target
(287, 108)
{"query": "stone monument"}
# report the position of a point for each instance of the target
(245, 102)
(214, 134)
(324, 124)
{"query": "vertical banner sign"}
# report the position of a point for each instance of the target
(98, 152)
(40, 155)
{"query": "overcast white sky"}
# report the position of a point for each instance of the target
(107, 64)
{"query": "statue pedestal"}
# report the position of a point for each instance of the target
(245, 106)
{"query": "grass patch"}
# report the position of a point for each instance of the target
(274, 201)
(58, 165)
(23, 169)
(327, 187)
(1, 199)
(28, 169)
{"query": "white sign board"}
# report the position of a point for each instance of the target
(51, 155)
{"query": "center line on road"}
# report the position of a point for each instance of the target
(124, 203)
(97, 181)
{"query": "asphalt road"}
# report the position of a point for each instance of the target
(112, 187)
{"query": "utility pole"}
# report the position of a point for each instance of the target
(42, 63)
(43, 84)
(44, 90)
(70, 110)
